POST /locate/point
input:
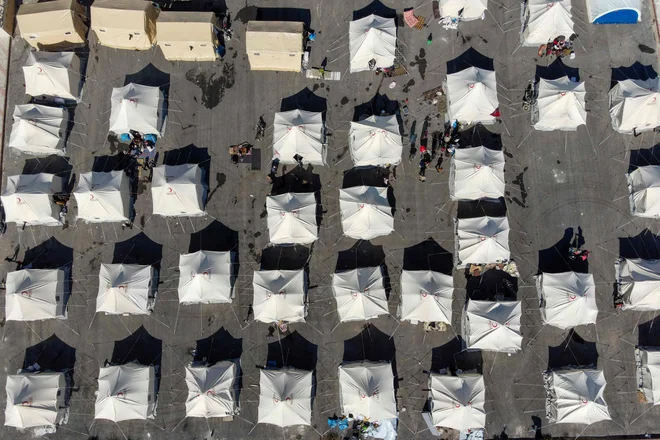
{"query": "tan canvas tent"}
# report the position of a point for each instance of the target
(125, 24)
(274, 45)
(53, 25)
(187, 36)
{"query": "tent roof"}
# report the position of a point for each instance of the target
(493, 326)
(51, 74)
(126, 392)
(576, 396)
(34, 399)
(360, 294)
(639, 283)
(376, 140)
(285, 397)
(206, 277)
(279, 295)
(178, 190)
(644, 187)
(299, 132)
(212, 390)
(482, 240)
(457, 402)
(124, 289)
(38, 129)
(175, 26)
(51, 24)
(472, 96)
(465, 9)
(634, 105)
(372, 37)
(648, 372)
(560, 105)
(292, 218)
(365, 212)
(103, 197)
(614, 11)
(567, 299)
(546, 20)
(137, 107)
(426, 296)
(27, 198)
(274, 45)
(367, 388)
(477, 173)
(35, 294)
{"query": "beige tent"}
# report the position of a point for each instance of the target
(125, 24)
(274, 45)
(187, 36)
(53, 25)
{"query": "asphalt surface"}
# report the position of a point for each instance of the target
(555, 181)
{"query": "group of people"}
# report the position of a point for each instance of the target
(141, 147)
(560, 47)
(446, 144)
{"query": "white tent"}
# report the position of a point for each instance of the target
(560, 105)
(35, 400)
(27, 199)
(103, 197)
(482, 240)
(365, 212)
(426, 296)
(367, 388)
(52, 74)
(375, 141)
(360, 294)
(298, 132)
(466, 10)
(125, 289)
(644, 188)
(492, 326)
(648, 373)
(614, 11)
(457, 402)
(372, 38)
(139, 108)
(279, 295)
(38, 129)
(477, 173)
(472, 96)
(634, 106)
(567, 299)
(546, 20)
(178, 191)
(285, 397)
(638, 282)
(212, 390)
(206, 277)
(35, 294)
(575, 396)
(126, 392)
(292, 218)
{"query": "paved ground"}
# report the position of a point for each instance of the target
(554, 181)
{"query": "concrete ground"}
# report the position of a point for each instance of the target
(555, 181)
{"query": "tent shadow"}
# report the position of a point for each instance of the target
(365, 176)
(298, 180)
(555, 70)
(636, 71)
(292, 351)
(452, 356)
(142, 348)
(481, 208)
(371, 345)
(58, 165)
(191, 154)
(573, 351)
(139, 249)
(51, 254)
(493, 285)
(304, 100)
(285, 257)
(375, 8)
(428, 255)
(216, 6)
(480, 136)
(379, 104)
(285, 14)
(645, 245)
(53, 354)
(220, 346)
(644, 157)
(555, 258)
(649, 333)
(215, 237)
(470, 58)
(361, 254)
